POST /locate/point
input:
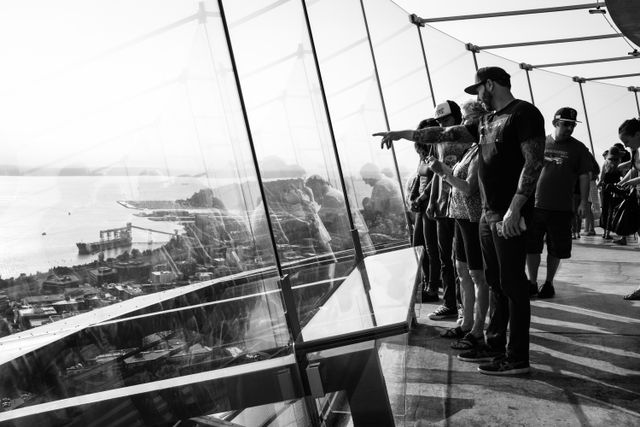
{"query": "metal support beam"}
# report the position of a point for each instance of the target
(581, 81)
(635, 90)
(245, 116)
(511, 13)
(384, 111)
(586, 61)
(551, 41)
(413, 20)
(527, 68)
(355, 237)
(473, 49)
(619, 76)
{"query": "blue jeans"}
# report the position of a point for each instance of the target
(504, 261)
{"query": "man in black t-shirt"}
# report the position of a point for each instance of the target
(511, 140)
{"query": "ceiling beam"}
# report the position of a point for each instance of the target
(509, 13)
(552, 41)
(619, 76)
(586, 61)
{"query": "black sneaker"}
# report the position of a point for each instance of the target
(504, 366)
(443, 312)
(481, 354)
(546, 290)
(533, 289)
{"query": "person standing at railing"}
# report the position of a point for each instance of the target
(465, 206)
(566, 162)
(425, 231)
(447, 113)
(609, 176)
(511, 140)
(629, 134)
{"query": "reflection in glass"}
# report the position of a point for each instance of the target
(189, 335)
(134, 173)
(402, 73)
(288, 124)
(355, 106)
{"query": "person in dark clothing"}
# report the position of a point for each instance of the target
(609, 176)
(511, 140)
(425, 228)
(447, 113)
(629, 134)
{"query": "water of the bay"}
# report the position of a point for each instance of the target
(42, 217)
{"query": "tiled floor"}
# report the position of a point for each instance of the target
(585, 356)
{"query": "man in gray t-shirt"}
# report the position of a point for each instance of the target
(566, 161)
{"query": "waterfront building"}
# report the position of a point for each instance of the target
(101, 275)
(57, 283)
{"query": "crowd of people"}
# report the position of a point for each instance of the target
(492, 189)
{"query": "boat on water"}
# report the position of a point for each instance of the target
(109, 239)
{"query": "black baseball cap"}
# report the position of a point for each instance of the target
(566, 114)
(488, 73)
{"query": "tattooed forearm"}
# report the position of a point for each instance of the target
(533, 152)
(435, 135)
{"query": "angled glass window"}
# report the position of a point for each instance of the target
(126, 168)
(519, 85)
(608, 106)
(553, 91)
(290, 131)
(450, 63)
(403, 75)
(356, 110)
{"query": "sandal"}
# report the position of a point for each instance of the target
(456, 333)
(468, 342)
(633, 296)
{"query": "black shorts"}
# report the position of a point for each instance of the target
(467, 244)
(556, 227)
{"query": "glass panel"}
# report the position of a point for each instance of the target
(368, 297)
(402, 74)
(283, 414)
(126, 171)
(519, 86)
(126, 163)
(608, 106)
(197, 337)
(356, 110)
(553, 91)
(289, 127)
(450, 64)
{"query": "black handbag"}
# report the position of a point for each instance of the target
(626, 216)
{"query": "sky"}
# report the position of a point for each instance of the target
(608, 101)
(127, 84)
(513, 29)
